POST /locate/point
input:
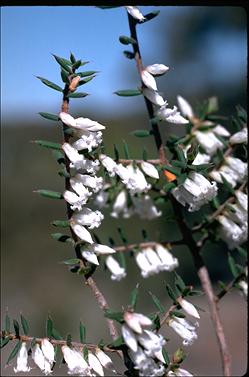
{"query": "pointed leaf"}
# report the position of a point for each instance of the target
(25, 325)
(151, 15)
(50, 84)
(69, 340)
(49, 327)
(14, 351)
(7, 323)
(171, 293)
(117, 343)
(133, 297)
(76, 65)
(165, 356)
(82, 333)
(127, 40)
(64, 63)
(71, 262)
(64, 76)
(85, 353)
(116, 152)
(86, 80)
(56, 335)
(47, 144)
(141, 133)
(157, 303)
(49, 116)
(179, 282)
(61, 237)
(128, 92)
(72, 58)
(178, 314)
(77, 95)
(4, 341)
(233, 266)
(16, 328)
(50, 194)
(129, 54)
(61, 223)
(126, 150)
(86, 73)
(117, 316)
(169, 186)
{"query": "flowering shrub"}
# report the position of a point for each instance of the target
(206, 168)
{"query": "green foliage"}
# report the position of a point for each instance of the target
(117, 316)
(50, 84)
(14, 351)
(141, 133)
(82, 333)
(77, 95)
(47, 144)
(49, 327)
(157, 303)
(49, 116)
(127, 40)
(134, 297)
(25, 325)
(128, 92)
(50, 194)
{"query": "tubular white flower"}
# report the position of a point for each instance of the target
(152, 342)
(78, 161)
(88, 124)
(149, 169)
(109, 164)
(170, 115)
(201, 158)
(242, 199)
(95, 183)
(154, 97)
(137, 182)
(148, 80)
(48, 350)
(87, 217)
(102, 249)
(209, 142)
(135, 13)
(67, 119)
(144, 265)
(183, 328)
(136, 321)
(90, 257)
(79, 188)
(188, 308)
(81, 232)
(95, 364)
(168, 261)
(75, 361)
(155, 261)
(221, 131)
(231, 233)
(239, 137)
(117, 272)
(105, 360)
(22, 359)
(129, 338)
(238, 166)
(145, 207)
(120, 204)
(87, 140)
(101, 199)
(76, 201)
(157, 69)
(185, 107)
(38, 357)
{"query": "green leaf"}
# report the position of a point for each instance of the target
(50, 194)
(151, 15)
(126, 150)
(116, 152)
(129, 54)
(195, 292)
(200, 167)
(128, 92)
(59, 156)
(171, 293)
(242, 251)
(47, 144)
(76, 65)
(72, 58)
(117, 316)
(127, 40)
(56, 335)
(69, 340)
(50, 84)
(107, 6)
(49, 327)
(169, 186)
(14, 351)
(182, 178)
(180, 154)
(64, 76)
(4, 341)
(25, 325)
(77, 95)
(49, 116)
(122, 261)
(233, 266)
(157, 303)
(156, 322)
(133, 297)
(16, 328)
(178, 314)
(86, 73)
(178, 164)
(86, 80)
(227, 185)
(61, 237)
(64, 63)
(165, 356)
(193, 151)
(145, 154)
(61, 223)
(85, 353)
(7, 323)
(117, 343)
(172, 169)
(179, 282)
(71, 262)
(242, 114)
(82, 333)
(141, 133)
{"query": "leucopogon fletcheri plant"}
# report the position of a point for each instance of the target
(204, 169)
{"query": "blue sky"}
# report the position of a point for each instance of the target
(29, 35)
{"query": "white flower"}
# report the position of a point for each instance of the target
(201, 158)
(22, 359)
(129, 338)
(242, 199)
(153, 258)
(243, 286)
(183, 328)
(209, 142)
(105, 360)
(154, 97)
(101, 199)
(168, 261)
(95, 183)
(76, 201)
(239, 137)
(137, 182)
(120, 204)
(144, 265)
(185, 107)
(145, 207)
(221, 131)
(239, 167)
(170, 115)
(90, 256)
(152, 342)
(179, 372)
(117, 272)
(231, 233)
(102, 249)
(188, 307)
(95, 364)
(135, 13)
(87, 140)
(157, 69)
(136, 321)
(149, 169)
(78, 161)
(38, 357)
(81, 123)
(148, 80)
(81, 232)
(87, 217)
(75, 361)
(109, 164)
(79, 188)
(48, 350)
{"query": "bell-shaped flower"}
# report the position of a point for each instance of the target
(129, 338)
(81, 232)
(136, 321)
(76, 201)
(153, 258)
(78, 161)
(79, 188)
(75, 361)
(38, 357)
(201, 158)
(117, 272)
(238, 166)
(95, 364)
(120, 204)
(22, 359)
(185, 107)
(135, 13)
(157, 69)
(149, 169)
(102, 249)
(87, 217)
(145, 208)
(137, 182)
(209, 142)
(48, 350)
(242, 198)
(170, 115)
(67, 119)
(109, 164)
(221, 131)
(87, 140)
(239, 137)
(81, 123)
(188, 307)
(90, 256)
(105, 360)
(95, 183)
(183, 328)
(168, 261)
(232, 233)
(144, 265)
(148, 80)
(154, 97)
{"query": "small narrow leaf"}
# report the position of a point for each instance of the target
(169, 186)
(86, 73)
(59, 156)
(64, 76)
(25, 325)
(126, 150)
(179, 282)
(127, 40)
(181, 178)
(117, 316)
(232, 266)
(157, 303)
(145, 154)
(69, 340)
(16, 328)
(50, 194)
(61, 237)
(133, 297)
(128, 92)
(50, 84)
(64, 63)
(47, 144)
(49, 327)
(82, 333)
(7, 323)
(171, 292)
(49, 116)
(176, 313)
(86, 80)
(141, 133)
(71, 262)
(117, 343)
(76, 65)
(77, 95)
(4, 341)
(61, 223)
(14, 351)
(151, 15)
(129, 54)
(72, 58)
(116, 152)
(227, 185)
(85, 353)
(165, 356)
(56, 335)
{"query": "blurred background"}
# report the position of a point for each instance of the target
(205, 48)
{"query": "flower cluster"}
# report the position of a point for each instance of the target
(154, 260)
(195, 191)
(233, 170)
(84, 183)
(145, 347)
(234, 223)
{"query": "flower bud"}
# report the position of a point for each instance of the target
(149, 169)
(148, 80)
(48, 350)
(74, 83)
(157, 69)
(188, 307)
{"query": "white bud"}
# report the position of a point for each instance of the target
(129, 338)
(135, 13)
(239, 137)
(90, 256)
(95, 364)
(157, 69)
(149, 169)
(185, 107)
(81, 232)
(188, 308)
(67, 119)
(148, 80)
(48, 350)
(154, 97)
(102, 249)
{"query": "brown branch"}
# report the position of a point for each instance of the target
(101, 300)
(143, 245)
(229, 286)
(127, 162)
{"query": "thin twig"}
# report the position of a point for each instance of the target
(127, 162)
(143, 245)
(229, 286)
